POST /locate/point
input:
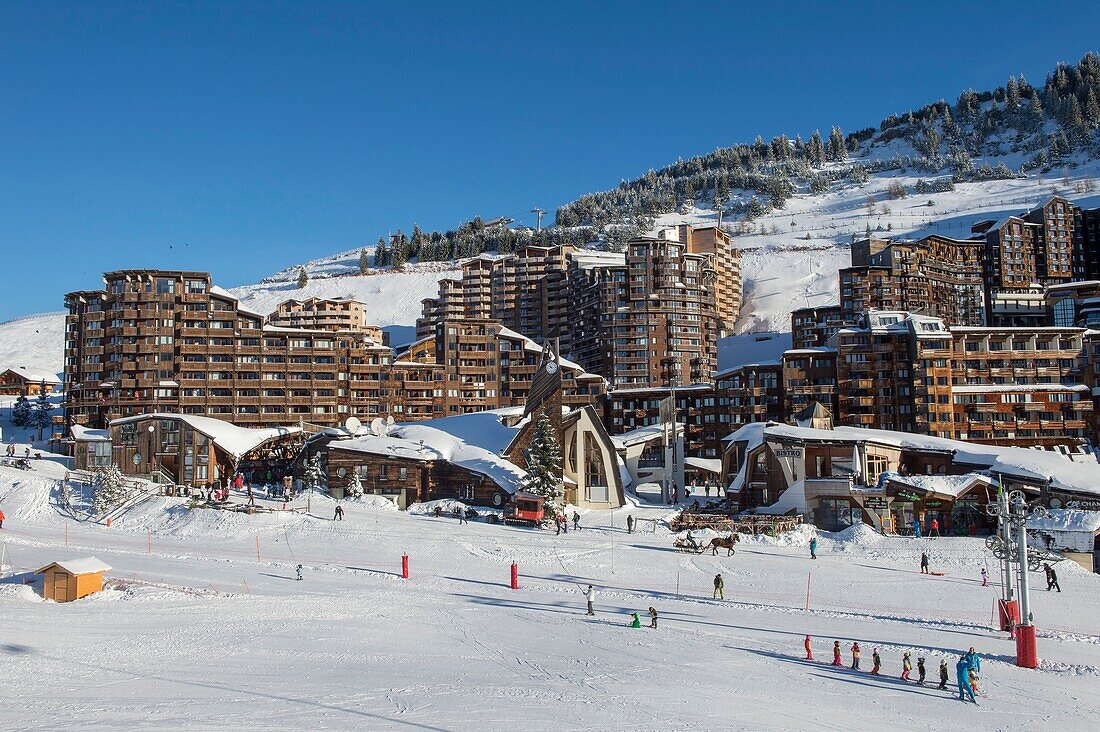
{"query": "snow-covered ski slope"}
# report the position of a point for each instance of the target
(205, 635)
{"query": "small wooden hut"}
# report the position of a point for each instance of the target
(72, 579)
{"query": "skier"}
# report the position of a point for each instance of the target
(719, 585)
(462, 515)
(920, 670)
(809, 649)
(916, 528)
(855, 656)
(1, 519)
(1052, 578)
(339, 515)
(975, 662)
(564, 523)
(943, 673)
(836, 654)
(923, 563)
(876, 662)
(906, 665)
(629, 524)
(557, 525)
(653, 618)
(813, 547)
(985, 578)
(299, 572)
(251, 498)
(962, 676)
(636, 622)
(590, 596)
(576, 521)
(935, 529)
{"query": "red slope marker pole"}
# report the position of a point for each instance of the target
(404, 566)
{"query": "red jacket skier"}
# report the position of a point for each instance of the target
(836, 654)
(809, 649)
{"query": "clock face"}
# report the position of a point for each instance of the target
(551, 367)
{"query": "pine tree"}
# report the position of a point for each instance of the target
(1035, 114)
(544, 468)
(108, 490)
(21, 412)
(314, 477)
(381, 254)
(398, 255)
(355, 485)
(41, 418)
(837, 149)
(1012, 93)
(1092, 110)
(364, 262)
(815, 150)
(303, 278)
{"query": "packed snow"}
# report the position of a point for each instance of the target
(204, 624)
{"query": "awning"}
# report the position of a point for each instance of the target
(711, 465)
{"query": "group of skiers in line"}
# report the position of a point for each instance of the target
(967, 668)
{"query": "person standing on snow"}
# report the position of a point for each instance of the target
(934, 530)
(975, 662)
(653, 618)
(576, 521)
(590, 596)
(719, 586)
(906, 665)
(923, 563)
(916, 528)
(629, 524)
(1052, 578)
(876, 662)
(920, 670)
(299, 572)
(836, 654)
(809, 649)
(962, 676)
(339, 514)
(1, 519)
(985, 578)
(855, 656)
(636, 622)
(943, 673)
(813, 547)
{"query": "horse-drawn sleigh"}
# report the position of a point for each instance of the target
(690, 545)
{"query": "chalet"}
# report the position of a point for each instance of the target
(842, 476)
(20, 380)
(188, 449)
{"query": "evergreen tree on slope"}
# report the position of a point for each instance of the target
(544, 468)
(109, 489)
(40, 419)
(21, 412)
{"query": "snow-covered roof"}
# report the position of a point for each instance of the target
(711, 465)
(530, 345)
(1020, 463)
(235, 440)
(34, 375)
(473, 441)
(81, 433)
(945, 485)
(1066, 519)
(222, 292)
(86, 565)
(641, 435)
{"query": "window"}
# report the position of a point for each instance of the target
(595, 476)
(99, 454)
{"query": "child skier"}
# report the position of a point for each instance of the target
(809, 649)
(719, 586)
(923, 563)
(985, 578)
(855, 656)
(299, 572)
(653, 618)
(836, 654)
(920, 670)
(906, 666)
(636, 622)
(876, 662)
(943, 673)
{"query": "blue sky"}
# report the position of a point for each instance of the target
(241, 138)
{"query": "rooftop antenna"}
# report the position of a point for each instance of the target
(538, 212)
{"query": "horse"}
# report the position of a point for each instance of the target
(724, 543)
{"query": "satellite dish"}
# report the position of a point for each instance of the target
(377, 427)
(353, 425)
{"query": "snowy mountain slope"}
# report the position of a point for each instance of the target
(34, 341)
